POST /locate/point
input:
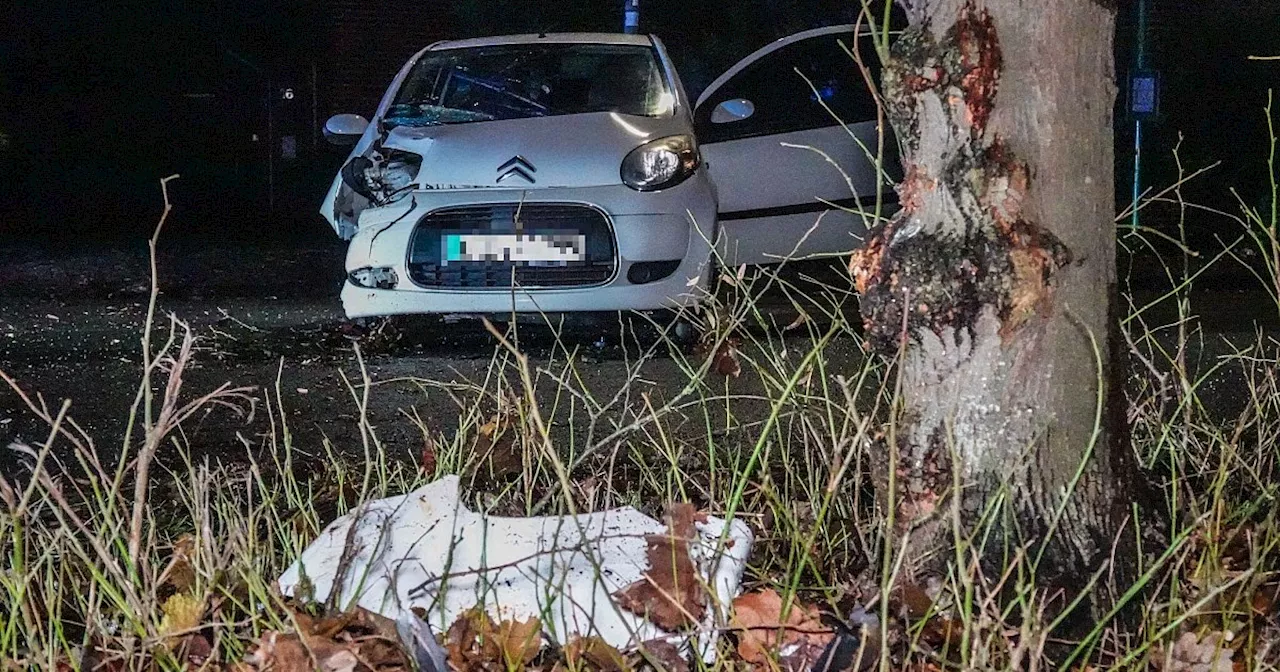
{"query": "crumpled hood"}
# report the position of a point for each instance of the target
(581, 150)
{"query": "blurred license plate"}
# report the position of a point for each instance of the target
(527, 248)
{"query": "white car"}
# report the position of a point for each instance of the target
(570, 172)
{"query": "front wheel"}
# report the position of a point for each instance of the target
(684, 331)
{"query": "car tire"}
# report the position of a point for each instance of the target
(684, 331)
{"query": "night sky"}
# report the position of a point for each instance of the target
(98, 101)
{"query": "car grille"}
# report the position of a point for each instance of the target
(426, 248)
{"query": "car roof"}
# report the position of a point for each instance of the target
(569, 38)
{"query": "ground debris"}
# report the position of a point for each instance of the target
(591, 653)
(475, 643)
(1191, 652)
(426, 550)
(356, 640)
(795, 640)
(670, 593)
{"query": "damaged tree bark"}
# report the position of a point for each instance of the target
(995, 282)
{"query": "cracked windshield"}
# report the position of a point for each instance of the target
(536, 80)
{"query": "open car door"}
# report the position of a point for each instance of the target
(777, 133)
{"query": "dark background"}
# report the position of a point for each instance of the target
(99, 100)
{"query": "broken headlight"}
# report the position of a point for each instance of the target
(662, 163)
(383, 176)
(378, 277)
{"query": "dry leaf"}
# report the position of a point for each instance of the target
(801, 318)
(429, 458)
(942, 633)
(1194, 653)
(195, 649)
(914, 601)
(495, 450)
(513, 643)
(354, 641)
(179, 574)
(670, 594)
(462, 639)
(474, 642)
(593, 653)
(280, 652)
(181, 612)
(663, 656)
(726, 361)
(1265, 600)
(763, 633)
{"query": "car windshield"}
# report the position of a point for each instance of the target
(516, 81)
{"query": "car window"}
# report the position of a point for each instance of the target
(517, 81)
(785, 102)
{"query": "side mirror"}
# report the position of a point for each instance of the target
(736, 109)
(345, 129)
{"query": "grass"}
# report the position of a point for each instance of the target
(116, 562)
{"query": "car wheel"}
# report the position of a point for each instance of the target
(684, 331)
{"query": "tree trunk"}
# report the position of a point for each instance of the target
(995, 283)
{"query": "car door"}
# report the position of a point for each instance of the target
(792, 180)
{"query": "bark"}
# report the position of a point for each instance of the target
(994, 285)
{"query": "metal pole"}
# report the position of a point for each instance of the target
(631, 17)
(1137, 123)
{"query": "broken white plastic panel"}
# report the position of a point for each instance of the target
(425, 549)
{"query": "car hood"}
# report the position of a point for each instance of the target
(579, 150)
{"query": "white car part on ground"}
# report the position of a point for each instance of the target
(425, 549)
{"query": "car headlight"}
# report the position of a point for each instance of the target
(662, 163)
(379, 277)
(384, 175)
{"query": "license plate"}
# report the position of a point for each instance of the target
(539, 249)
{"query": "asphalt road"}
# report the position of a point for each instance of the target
(70, 328)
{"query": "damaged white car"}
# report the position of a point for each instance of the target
(570, 172)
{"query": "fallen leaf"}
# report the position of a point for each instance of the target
(1195, 653)
(663, 656)
(195, 649)
(593, 653)
(429, 458)
(179, 575)
(801, 318)
(475, 642)
(726, 360)
(942, 633)
(670, 593)
(284, 652)
(763, 633)
(1265, 600)
(514, 643)
(915, 602)
(496, 453)
(181, 612)
(461, 640)
(351, 641)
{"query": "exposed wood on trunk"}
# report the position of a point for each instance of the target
(997, 277)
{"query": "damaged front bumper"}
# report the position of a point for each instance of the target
(649, 251)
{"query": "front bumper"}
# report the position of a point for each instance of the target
(674, 224)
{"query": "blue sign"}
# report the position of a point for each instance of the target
(1144, 93)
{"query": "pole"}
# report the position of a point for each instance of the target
(631, 17)
(1137, 123)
